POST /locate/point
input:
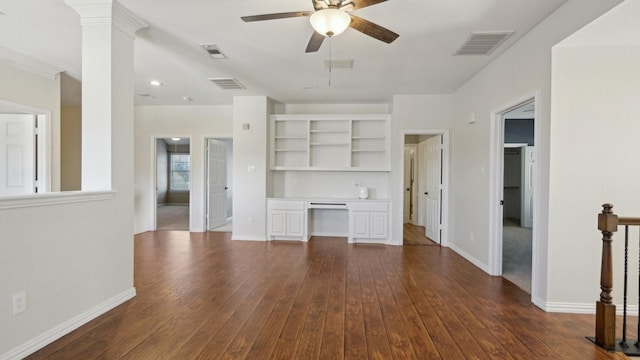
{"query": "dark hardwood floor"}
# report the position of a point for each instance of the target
(414, 235)
(203, 296)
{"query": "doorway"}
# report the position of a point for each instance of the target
(515, 186)
(425, 191)
(173, 183)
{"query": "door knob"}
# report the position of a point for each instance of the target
(426, 193)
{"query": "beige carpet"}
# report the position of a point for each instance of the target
(516, 254)
(172, 217)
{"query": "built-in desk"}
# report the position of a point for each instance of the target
(366, 220)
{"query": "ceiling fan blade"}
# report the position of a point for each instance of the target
(276, 16)
(374, 30)
(359, 4)
(315, 42)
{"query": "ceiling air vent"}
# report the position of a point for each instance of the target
(483, 43)
(213, 51)
(227, 83)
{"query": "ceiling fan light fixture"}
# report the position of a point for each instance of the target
(330, 22)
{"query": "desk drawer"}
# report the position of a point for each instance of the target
(368, 206)
(285, 205)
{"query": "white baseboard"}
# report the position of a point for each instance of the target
(328, 234)
(539, 302)
(582, 308)
(470, 258)
(66, 327)
(247, 238)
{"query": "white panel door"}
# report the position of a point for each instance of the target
(423, 151)
(526, 210)
(17, 154)
(406, 211)
(217, 179)
(434, 166)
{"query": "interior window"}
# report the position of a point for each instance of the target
(180, 167)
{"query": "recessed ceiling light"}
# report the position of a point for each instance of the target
(155, 83)
(175, 139)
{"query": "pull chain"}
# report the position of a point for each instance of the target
(330, 59)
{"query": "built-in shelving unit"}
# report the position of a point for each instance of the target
(330, 142)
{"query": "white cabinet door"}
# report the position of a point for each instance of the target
(296, 223)
(378, 225)
(277, 223)
(286, 219)
(359, 225)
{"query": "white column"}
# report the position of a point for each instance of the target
(108, 32)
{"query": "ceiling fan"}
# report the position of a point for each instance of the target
(332, 17)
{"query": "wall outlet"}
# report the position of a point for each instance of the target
(18, 302)
(250, 220)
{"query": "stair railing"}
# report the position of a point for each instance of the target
(608, 223)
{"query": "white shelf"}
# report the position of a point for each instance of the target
(329, 131)
(368, 138)
(330, 142)
(290, 138)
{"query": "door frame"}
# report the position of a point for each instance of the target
(205, 216)
(444, 200)
(154, 180)
(496, 191)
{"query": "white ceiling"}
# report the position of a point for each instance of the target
(268, 57)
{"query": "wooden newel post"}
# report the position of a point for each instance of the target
(605, 309)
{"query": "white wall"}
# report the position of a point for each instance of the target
(249, 151)
(518, 74)
(194, 122)
(73, 260)
(595, 153)
(71, 148)
(412, 114)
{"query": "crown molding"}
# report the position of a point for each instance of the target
(107, 12)
(28, 64)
